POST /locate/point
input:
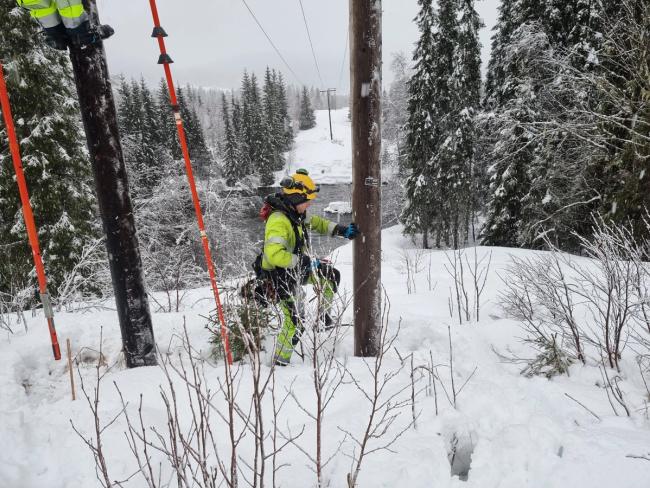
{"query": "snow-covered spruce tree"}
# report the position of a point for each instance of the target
(444, 94)
(395, 112)
(199, 153)
(544, 151)
(243, 152)
(422, 205)
(467, 85)
(274, 121)
(146, 153)
(128, 115)
(233, 171)
(563, 174)
(283, 103)
(445, 169)
(167, 125)
(307, 119)
(623, 94)
(511, 95)
(256, 130)
(53, 149)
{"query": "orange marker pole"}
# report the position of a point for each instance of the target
(165, 60)
(28, 215)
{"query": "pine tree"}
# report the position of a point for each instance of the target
(53, 149)
(307, 119)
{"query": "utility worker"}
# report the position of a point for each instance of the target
(65, 23)
(285, 258)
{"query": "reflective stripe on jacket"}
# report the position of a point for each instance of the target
(50, 13)
(280, 239)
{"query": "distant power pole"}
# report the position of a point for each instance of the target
(329, 110)
(100, 123)
(365, 86)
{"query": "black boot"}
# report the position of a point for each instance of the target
(56, 37)
(85, 34)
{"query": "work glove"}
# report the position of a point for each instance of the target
(349, 232)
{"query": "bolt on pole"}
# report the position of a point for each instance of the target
(365, 86)
(100, 123)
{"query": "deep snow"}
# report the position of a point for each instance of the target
(510, 431)
(513, 432)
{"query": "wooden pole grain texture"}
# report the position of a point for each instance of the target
(99, 118)
(365, 87)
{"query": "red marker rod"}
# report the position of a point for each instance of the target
(28, 215)
(165, 60)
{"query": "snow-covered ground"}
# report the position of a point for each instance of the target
(507, 431)
(510, 431)
(328, 161)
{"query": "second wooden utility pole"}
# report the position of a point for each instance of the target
(100, 123)
(365, 86)
(329, 109)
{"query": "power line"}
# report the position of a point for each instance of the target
(272, 44)
(311, 44)
(345, 53)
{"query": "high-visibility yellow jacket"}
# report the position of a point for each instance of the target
(51, 13)
(280, 239)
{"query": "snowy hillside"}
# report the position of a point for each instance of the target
(328, 161)
(506, 431)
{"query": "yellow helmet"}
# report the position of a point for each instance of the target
(300, 183)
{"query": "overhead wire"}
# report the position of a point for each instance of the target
(345, 54)
(272, 43)
(311, 44)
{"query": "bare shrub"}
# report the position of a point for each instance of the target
(385, 406)
(94, 442)
(88, 283)
(468, 290)
(320, 347)
(12, 307)
(566, 305)
(539, 294)
(412, 260)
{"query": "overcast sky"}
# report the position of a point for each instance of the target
(212, 44)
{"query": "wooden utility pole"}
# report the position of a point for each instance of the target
(365, 86)
(329, 109)
(100, 123)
